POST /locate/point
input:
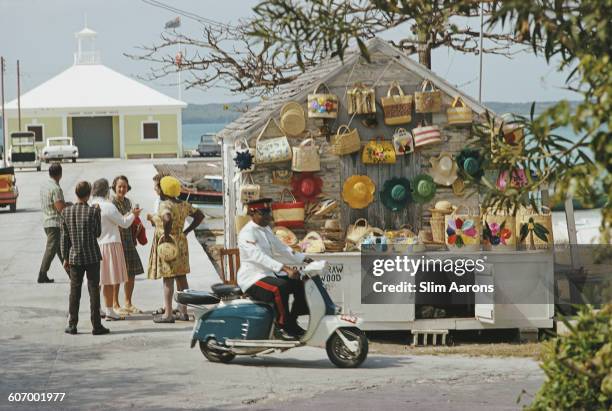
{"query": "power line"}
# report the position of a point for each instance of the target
(188, 14)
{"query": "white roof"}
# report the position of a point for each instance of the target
(92, 86)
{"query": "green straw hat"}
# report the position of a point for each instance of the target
(424, 188)
(395, 194)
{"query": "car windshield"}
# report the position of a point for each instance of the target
(59, 142)
(207, 139)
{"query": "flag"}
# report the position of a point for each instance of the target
(174, 23)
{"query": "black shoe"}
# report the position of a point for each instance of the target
(71, 329)
(101, 330)
(299, 331)
(283, 334)
(42, 279)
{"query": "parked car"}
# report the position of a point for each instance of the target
(23, 152)
(209, 146)
(8, 189)
(60, 148)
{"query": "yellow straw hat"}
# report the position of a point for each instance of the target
(358, 191)
(170, 186)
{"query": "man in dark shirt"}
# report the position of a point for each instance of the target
(81, 255)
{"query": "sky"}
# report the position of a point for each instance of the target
(40, 33)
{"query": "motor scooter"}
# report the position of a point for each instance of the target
(238, 325)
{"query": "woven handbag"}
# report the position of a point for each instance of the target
(322, 105)
(378, 151)
(288, 214)
(275, 148)
(403, 142)
(358, 230)
(463, 230)
(534, 229)
(425, 135)
(498, 231)
(346, 141)
(313, 243)
(397, 109)
(458, 113)
(249, 190)
(361, 99)
(306, 157)
(428, 99)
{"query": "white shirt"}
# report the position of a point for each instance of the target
(257, 244)
(112, 219)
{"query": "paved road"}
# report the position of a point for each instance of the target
(141, 364)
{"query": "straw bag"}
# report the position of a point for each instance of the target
(361, 99)
(285, 235)
(312, 243)
(275, 148)
(249, 190)
(438, 228)
(322, 105)
(292, 119)
(428, 99)
(458, 113)
(463, 230)
(378, 151)
(534, 229)
(346, 141)
(288, 214)
(167, 252)
(397, 109)
(403, 142)
(282, 177)
(498, 231)
(357, 231)
(401, 239)
(245, 156)
(306, 157)
(425, 135)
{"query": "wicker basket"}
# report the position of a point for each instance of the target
(437, 227)
(346, 141)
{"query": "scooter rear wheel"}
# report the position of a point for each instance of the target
(213, 355)
(340, 355)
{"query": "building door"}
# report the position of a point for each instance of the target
(93, 136)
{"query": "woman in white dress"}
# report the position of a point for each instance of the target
(113, 269)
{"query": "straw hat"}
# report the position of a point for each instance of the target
(292, 119)
(358, 191)
(423, 188)
(395, 194)
(285, 235)
(306, 186)
(443, 169)
(442, 207)
(470, 161)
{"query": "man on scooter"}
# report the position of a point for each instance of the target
(264, 278)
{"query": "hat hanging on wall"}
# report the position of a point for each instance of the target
(395, 193)
(358, 191)
(306, 186)
(443, 169)
(423, 188)
(292, 119)
(470, 162)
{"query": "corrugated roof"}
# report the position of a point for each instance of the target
(246, 124)
(89, 86)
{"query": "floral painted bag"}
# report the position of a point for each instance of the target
(378, 151)
(463, 230)
(498, 231)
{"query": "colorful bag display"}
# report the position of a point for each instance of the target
(458, 113)
(428, 99)
(425, 135)
(245, 156)
(397, 109)
(322, 105)
(498, 231)
(306, 156)
(463, 230)
(288, 214)
(403, 142)
(346, 141)
(534, 229)
(378, 151)
(275, 148)
(249, 191)
(361, 99)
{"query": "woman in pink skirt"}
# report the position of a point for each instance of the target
(113, 269)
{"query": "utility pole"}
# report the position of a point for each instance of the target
(4, 122)
(480, 53)
(18, 97)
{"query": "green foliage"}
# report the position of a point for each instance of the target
(578, 366)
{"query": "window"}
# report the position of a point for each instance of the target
(38, 133)
(150, 130)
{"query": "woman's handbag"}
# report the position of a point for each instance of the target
(463, 231)
(139, 234)
(403, 142)
(428, 99)
(458, 113)
(397, 109)
(357, 231)
(275, 148)
(361, 99)
(249, 190)
(288, 214)
(245, 156)
(346, 141)
(167, 252)
(312, 243)
(322, 105)
(378, 151)
(306, 157)
(498, 231)
(425, 135)
(534, 229)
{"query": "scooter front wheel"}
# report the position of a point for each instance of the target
(213, 355)
(343, 356)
